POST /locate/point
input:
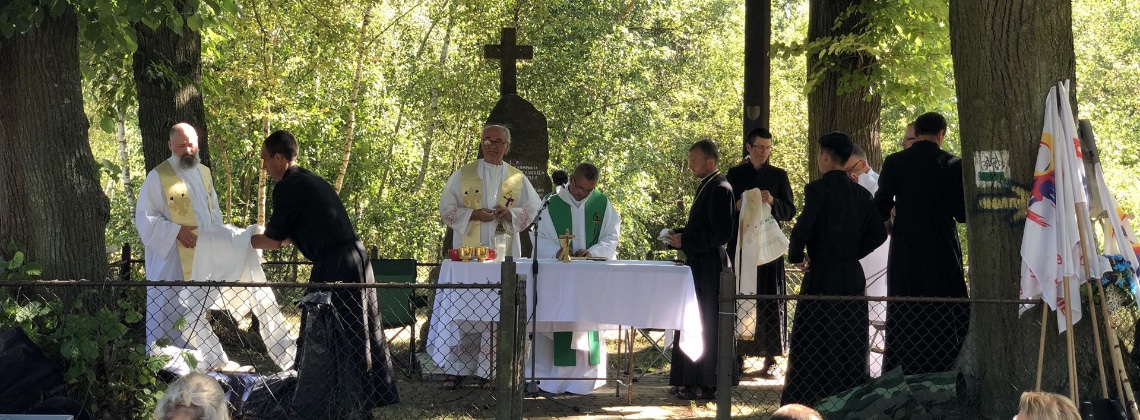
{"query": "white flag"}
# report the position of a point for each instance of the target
(1049, 244)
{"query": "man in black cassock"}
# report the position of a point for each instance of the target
(757, 172)
(839, 226)
(308, 213)
(924, 186)
(702, 240)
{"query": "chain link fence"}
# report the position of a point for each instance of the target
(115, 345)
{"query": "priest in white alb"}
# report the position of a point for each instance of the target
(180, 225)
(874, 265)
(479, 198)
(588, 215)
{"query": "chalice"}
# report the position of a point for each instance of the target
(465, 253)
(481, 253)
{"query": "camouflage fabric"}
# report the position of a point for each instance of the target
(895, 396)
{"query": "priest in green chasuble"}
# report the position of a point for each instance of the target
(588, 215)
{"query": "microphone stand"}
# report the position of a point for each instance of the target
(532, 389)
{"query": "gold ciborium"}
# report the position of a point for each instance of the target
(566, 241)
(481, 253)
(465, 253)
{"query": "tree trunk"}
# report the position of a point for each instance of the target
(50, 199)
(757, 66)
(360, 49)
(855, 111)
(1006, 57)
(168, 73)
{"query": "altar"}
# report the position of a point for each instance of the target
(576, 296)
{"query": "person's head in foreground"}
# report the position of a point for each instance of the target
(1046, 406)
(193, 397)
(796, 412)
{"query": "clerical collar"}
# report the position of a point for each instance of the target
(705, 182)
(710, 176)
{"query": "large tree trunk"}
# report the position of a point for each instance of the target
(856, 111)
(168, 72)
(757, 67)
(1007, 55)
(50, 199)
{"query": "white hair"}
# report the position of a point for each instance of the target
(506, 131)
(195, 390)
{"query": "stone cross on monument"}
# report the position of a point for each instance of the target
(507, 53)
(530, 150)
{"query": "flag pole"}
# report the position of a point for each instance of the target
(1123, 385)
(1070, 348)
(1082, 230)
(1124, 389)
(1041, 347)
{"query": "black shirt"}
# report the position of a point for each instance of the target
(744, 177)
(307, 210)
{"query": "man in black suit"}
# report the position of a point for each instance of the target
(757, 172)
(702, 239)
(838, 226)
(924, 185)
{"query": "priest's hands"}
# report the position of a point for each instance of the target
(804, 266)
(503, 213)
(186, 236)
(483, 215)
(581, 252)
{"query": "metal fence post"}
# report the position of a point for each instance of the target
(509, 356)
(726, 349)
(125, 264)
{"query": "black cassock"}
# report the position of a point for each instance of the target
(307, 210)
(924, 185)
(828, 347)
(702, 240)
(770, 279)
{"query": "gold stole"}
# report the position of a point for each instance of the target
(472, 184)
(181, 210)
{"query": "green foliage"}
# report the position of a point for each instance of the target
(100, 348)
(15, 266)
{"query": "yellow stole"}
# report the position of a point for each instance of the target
(181, 210)
(472, 184)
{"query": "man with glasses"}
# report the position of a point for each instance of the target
(486, 193)
(479, 198)
(875, 264)
(586, 213)
(757, 172)
(908, 136)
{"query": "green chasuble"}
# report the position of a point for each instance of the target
(563, 220)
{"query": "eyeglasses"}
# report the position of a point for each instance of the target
(575, 186)
(853, 166)
(496, 143)
(761, 147)
(908, 140)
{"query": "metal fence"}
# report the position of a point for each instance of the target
(114, 340)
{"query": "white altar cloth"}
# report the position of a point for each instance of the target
(577, 296)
